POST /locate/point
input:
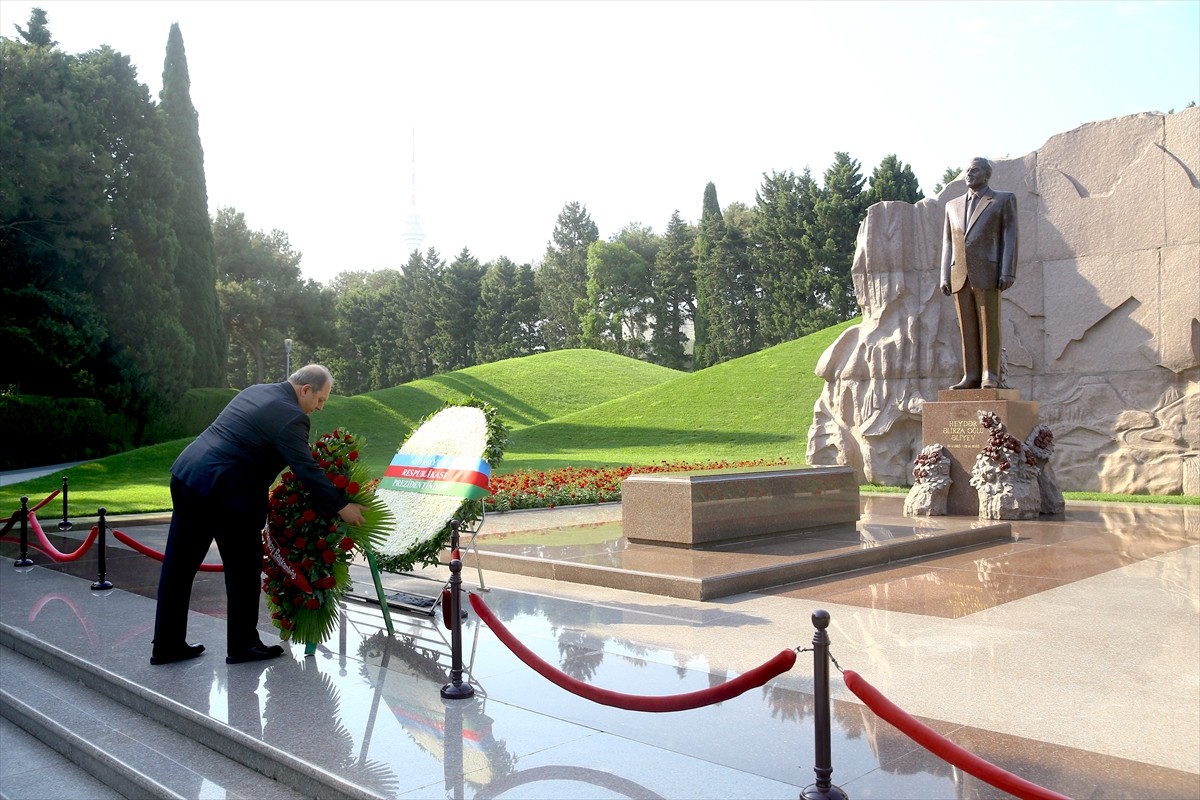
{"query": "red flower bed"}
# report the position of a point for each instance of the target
(571, 486)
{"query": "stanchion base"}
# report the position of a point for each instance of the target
(65, 526)
(815, 792)
(23, 562)
(100, 586)
(460, 692)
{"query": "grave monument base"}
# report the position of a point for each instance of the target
(953, 422)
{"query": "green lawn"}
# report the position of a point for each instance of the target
(580, 408)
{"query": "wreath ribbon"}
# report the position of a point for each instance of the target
(457, 476)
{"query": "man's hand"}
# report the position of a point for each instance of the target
(946, 288)
(352, 513)
(1005, 282)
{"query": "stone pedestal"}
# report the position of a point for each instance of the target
(694, 509)
(953, 422)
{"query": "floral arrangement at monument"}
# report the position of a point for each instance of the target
(1005, 474)
(930, 491)
(1041, 443)
(308, 553)
(439, 475)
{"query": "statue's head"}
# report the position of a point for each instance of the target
(978, 173)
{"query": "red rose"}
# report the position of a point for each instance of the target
(353, 488)
(312, 604)
(307, 564)
(322, 544)
(328, 582)
(309, 515)
(340, 481)
(300, 543)
(346, 543)
(330, 556)
(293, 499)
(352, 455)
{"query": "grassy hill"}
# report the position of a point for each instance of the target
(758, 406)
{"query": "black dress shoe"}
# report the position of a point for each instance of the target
(259, 652)
(169, 655)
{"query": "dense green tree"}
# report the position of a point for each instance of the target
(87, 253)
(838, 210)
(893, 180)
(950, 174)
(674, 282)
(562, 276)
(419, 285)
(370, 351)
(506, 323)
(785, 204)
(618, 300)
(726, 314)
(456, 305)
(147, 358)
(38, 32)
(53, 213)
(196, 266)
(265, 300)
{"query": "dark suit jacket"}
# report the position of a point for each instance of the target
(236, 459)
(983, 248)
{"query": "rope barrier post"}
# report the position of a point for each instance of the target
(456, 689)
(24, 560)
(101, 584)
(65, 525)
(823, 789)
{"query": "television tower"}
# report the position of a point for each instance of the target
(413, 234)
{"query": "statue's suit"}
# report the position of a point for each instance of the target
(976, 254)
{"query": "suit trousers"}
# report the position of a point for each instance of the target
(195, 522)
(979, 322)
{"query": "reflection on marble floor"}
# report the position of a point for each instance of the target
(367, 706)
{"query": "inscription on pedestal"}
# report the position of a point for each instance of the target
(953, 422)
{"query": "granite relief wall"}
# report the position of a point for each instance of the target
(1102, 327)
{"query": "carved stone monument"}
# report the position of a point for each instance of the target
(1101, 328)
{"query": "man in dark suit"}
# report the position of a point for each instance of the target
(979, 261)
(219, 489)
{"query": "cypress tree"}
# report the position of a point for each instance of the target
(196, 267)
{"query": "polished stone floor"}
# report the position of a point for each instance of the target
(1069, 655)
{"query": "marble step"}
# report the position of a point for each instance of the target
(139, 743)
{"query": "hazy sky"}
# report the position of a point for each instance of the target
(307, 109)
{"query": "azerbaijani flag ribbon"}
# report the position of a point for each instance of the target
(461, 476)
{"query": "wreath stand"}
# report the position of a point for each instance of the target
(424, 605)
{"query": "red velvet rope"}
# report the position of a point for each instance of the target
(52, 551)
(943, 748)
(756, 677)
(157, 556)
(50, 497)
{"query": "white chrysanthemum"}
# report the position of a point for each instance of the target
(455, 431)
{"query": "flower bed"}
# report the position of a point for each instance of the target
(571, 486)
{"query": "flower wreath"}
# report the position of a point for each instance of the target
(423, 521)
(308, 553)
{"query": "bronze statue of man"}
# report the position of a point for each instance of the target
(979, 261)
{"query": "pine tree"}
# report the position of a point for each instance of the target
(562, 277)
(674, 276)
(196, 266)
(893, 180)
